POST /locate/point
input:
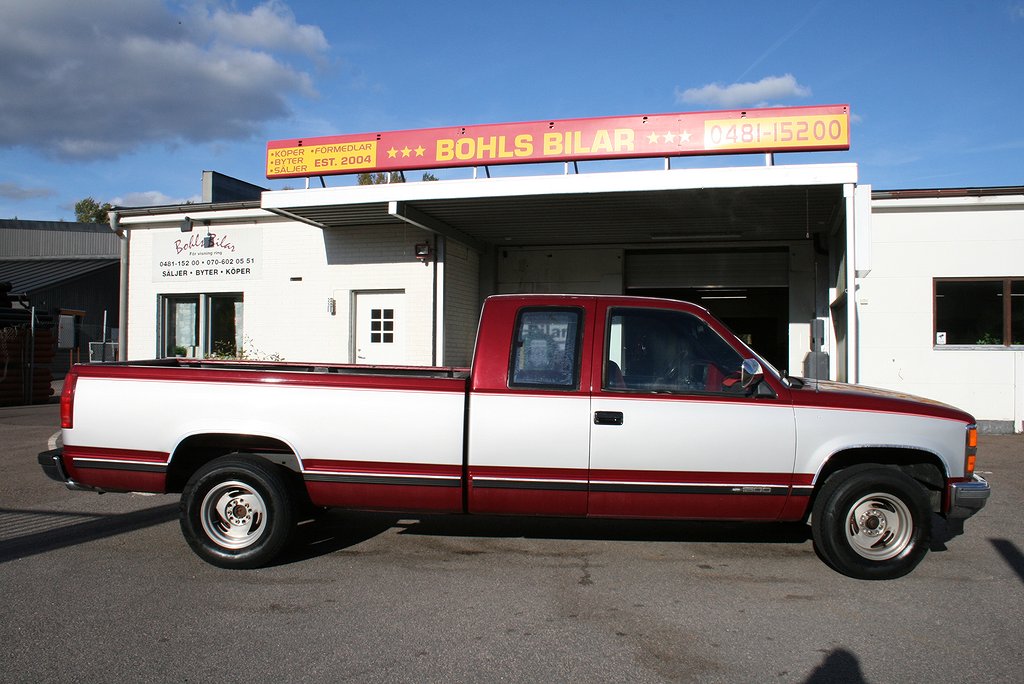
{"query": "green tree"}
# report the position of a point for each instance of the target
(89, 210)
(380, 178)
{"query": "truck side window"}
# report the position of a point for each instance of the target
(657, 350)
(545, 350)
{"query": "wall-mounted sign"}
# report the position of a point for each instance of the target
(217, 253)
(788, 129)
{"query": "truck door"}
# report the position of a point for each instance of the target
(529, 410)
(673, 435)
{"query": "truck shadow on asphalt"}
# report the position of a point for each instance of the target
(334, 531)
(30, 532)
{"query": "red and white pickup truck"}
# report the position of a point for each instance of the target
(574, 406)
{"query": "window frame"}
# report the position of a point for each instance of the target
(203, 331)
(688, 392)
(166, 313)
(516, 342)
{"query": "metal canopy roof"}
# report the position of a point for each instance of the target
(31, 275)
(777, 203)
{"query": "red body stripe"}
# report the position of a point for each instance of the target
(153, 457)
(858, 399)
(382, 468)
(693, 477)
(686, 506)
(528, 502)
(386, 497)
(117, 479)
(501, 472)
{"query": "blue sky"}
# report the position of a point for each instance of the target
(128, 101)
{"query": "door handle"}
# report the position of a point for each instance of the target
(607, 417)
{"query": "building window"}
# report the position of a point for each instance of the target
(979, 312)
(224, 325)
(382, 326)
(201, 325)
(180, 326)
(545, 351)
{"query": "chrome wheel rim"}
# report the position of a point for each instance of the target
(879, 526)
(233, 515)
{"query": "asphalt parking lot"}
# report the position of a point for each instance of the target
(95, 588)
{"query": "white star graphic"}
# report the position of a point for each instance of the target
(669, 137)
(653, 138)
(684, 136)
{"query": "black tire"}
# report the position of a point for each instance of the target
(237, 512)
(871, 522)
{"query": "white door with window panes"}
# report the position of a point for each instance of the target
(380, 324)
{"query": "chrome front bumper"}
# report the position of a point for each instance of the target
(967, 498)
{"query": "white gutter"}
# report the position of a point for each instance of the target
(924, 203)
(122, 306)
(174, 217)
(852, 329)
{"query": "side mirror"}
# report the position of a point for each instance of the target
(751, 373)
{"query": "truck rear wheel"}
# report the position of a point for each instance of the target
(871, 522)
(237, 512)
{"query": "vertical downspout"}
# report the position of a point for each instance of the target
(852, 331)
(437, 354)
(122, 307)
(31, 384)
(433, 305)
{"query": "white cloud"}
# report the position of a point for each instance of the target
(269, 26)
(768, 89)
(13, 191)
(151, 198)
(98, 78)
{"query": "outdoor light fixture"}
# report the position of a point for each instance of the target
(423, 251)
(186, 225)
(208, 240)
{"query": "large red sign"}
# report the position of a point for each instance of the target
(789, 129)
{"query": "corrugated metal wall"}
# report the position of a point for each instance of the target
(461, 303)
(53, 266)
(56, 240)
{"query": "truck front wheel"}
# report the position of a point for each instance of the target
(237, 512)
(871, 522)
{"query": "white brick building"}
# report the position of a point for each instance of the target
(942, 309)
